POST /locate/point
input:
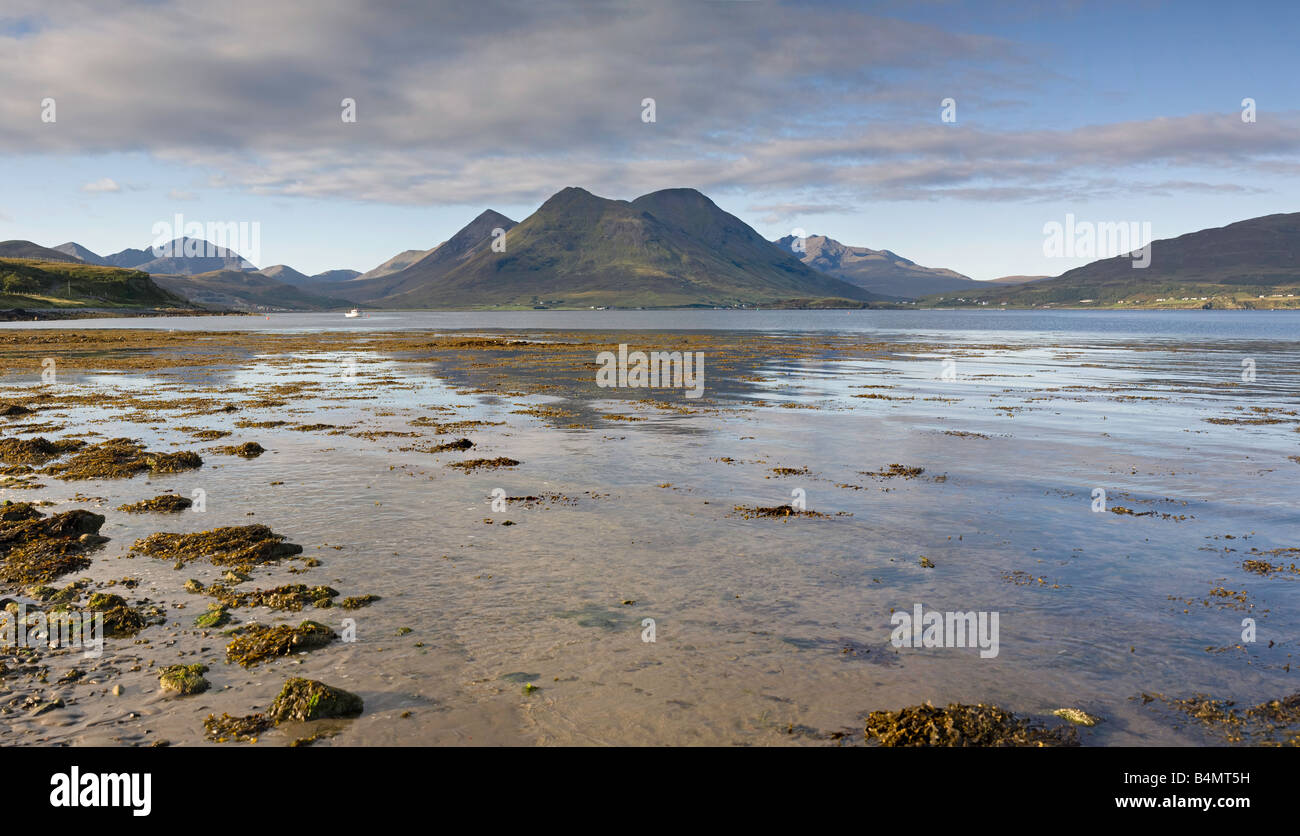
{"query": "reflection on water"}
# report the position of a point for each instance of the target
(761, 626)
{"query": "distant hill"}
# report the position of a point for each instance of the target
(398, 262)
(1017, 279)
(284, 273)
(392, 289)
(80, 253)
(1249, 264)
(335, 276)
(288, 275)
(33, 284)
(26, 249)
(185, 257)
(879, 271)
(672, 248)
(245, 291)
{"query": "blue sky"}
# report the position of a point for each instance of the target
(822, 117)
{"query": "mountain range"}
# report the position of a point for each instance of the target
(676, 248)
(1253, 263)
(879, 271)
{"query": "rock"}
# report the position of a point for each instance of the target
(307, 699)
(216, 616)
(46, 707)
(1077, 716)
(183, 679)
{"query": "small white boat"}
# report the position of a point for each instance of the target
(352, 314)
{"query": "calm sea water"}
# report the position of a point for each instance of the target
(1017, 325)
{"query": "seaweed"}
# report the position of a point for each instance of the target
(258, 643)
(121, 458)
(35, 549)
(306, 699)
(120, 619)
(183, 679)
(246, 728)
(1274, 722)
(216, 616)
(781, 511)
(356, 602)
(962, 725)
(479, 464)
(242, 547)
(247, 450)
(36, 450)
(168, 503)
(289, 597)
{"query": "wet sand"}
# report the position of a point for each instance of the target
(966, 486)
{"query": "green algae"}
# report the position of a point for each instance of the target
(216, 616)
(183, 679)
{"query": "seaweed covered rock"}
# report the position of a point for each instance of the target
(17, 511)
(35, 549)
(240, 546)
(291, 597)
(307, 699)
(168, 503)
(216, 616)
(121, 458)
(247, 450)
(356, 602)
(257, 642)
(120, 619)
(36, 450)
(183, 679)
(962, 725)
(173, 462)
(13, 410)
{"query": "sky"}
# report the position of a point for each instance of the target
(811, 118)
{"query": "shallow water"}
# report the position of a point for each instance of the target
(767, 631)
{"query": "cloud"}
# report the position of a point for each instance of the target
(504, 103)
(104, 184)
(181, 194)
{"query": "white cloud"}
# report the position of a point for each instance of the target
(104, 184)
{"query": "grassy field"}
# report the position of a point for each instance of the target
(31, 284)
